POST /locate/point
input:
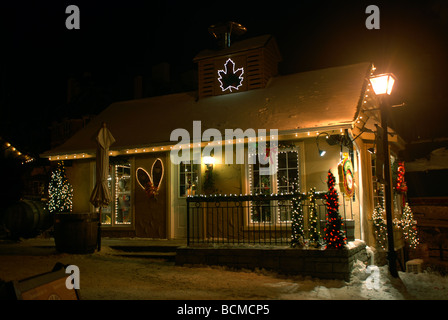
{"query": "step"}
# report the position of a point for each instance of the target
(149, 248)
(168, 256)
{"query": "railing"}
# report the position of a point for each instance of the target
(247, 219)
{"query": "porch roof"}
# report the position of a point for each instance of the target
(307, 100)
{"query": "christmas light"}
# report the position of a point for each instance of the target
(60, 191)
(334, 235)
(229, 78)
(297, 235)
(314, 237)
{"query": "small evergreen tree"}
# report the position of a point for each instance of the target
(380, 227)
(60, 191)
(314, 230)
(334, 234)
(297, 235)
(409, 227)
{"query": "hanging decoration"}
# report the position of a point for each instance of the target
(60, 191)
(151, 182)
(229, 78)
(346, 178)
(334, 235)
(400, 183)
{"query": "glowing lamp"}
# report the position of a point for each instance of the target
(208, 160)
(382, 83)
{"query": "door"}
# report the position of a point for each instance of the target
(185, 182)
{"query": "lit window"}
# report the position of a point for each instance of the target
(119, 211)
(188, 179)
(284, 181)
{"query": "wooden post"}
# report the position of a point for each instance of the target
(392, 255)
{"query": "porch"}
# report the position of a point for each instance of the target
(257, 219)
(254, 231)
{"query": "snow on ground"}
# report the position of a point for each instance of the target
(108, 276)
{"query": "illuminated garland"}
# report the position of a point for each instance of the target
(314, 230)
(334, 235)
(60, 191)
(400, 185)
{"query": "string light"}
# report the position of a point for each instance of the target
(60, 191)
(314, 237)
(406, 223)
(238, 74)
(297, 233)
(334, 235)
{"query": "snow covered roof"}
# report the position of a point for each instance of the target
(314, 99)
(437, 160)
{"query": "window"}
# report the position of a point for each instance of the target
(285, 180)
(188, 178)
(119, 211)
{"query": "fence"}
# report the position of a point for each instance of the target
(247, 219)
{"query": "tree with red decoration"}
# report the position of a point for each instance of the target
(334, 235)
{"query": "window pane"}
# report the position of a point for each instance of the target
(122, 194)
(282, 176)
(292, 159)
(188, 179)
(106, 212)
(282, 160)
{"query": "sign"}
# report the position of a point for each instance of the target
(230, 78)
(346, 178)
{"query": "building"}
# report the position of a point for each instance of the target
(331, 110)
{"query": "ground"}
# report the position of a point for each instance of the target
(106, 275)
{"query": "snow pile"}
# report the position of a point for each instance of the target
(364, 286)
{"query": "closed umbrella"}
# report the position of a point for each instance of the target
(101, 196)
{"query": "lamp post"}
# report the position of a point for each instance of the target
(382, 86)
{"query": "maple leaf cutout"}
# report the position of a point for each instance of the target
(229, 77)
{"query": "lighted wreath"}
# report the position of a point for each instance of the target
(151, 182)
(346, 178)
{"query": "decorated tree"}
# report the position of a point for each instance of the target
(334, 234)
(314, 227)
(297, 235)
(408, 224)
(380, 227)
(60, 191)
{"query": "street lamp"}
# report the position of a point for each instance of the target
(382, 86)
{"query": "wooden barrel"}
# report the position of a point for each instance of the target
(26, 218)
(76, 232)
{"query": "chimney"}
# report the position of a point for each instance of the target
(223, 32)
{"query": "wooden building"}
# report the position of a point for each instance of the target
(331, 110)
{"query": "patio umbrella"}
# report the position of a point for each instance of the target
(101, 196)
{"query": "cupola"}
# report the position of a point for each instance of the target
(236, 66)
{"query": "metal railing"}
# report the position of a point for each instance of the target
(247, 219)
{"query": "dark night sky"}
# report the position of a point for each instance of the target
(119, 39)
